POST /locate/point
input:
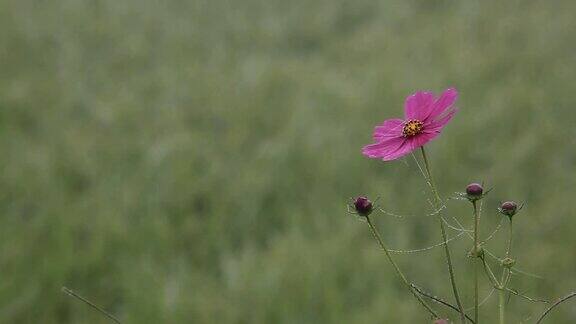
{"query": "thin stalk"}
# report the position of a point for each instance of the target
(506, 271)
(397, 268)
(560, 301)
(509, 249)
(440, 301)
(530, 299)
(498, 286)
(91, 304)
(444, 238)
(504, 280)
(476, 259)
(490, 274)
(502, 306)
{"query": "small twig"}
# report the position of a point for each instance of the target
(91, 304)
(499, 286)
(434, 213)
(515, 270)
(489, 237)
(558, 302)
(426, 248)
(397, 268)
(490, 274)
(483, 300)
(515, 292)
(439, 300)
(452, 227)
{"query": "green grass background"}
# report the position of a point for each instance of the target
(190, 161)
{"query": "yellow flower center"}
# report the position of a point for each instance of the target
(412, 127)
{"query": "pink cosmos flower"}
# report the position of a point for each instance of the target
(424, 118)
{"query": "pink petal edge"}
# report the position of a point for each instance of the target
(389, 128)
(446, 100)
(377, 150)
(438, 125)
(409, 146)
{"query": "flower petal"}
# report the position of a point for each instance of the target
(409, 145)
(399, 152)
(422, 139)
(436, 125)
(446, 100)
(389, 128)
(383, 148)
(418, 105)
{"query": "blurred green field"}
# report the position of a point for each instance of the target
(190, 161)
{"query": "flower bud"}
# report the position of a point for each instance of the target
(363, 206)
(508, 208)
(474, 191)
(508, 262)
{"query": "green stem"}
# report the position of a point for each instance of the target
(476, 259)
(398, 271)
(490, 274)
(91, 304)
(440, 301)
(506, 272)
(502, 306)
(504, 280)
(509, 250)
(560, 301)
(444, 238)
